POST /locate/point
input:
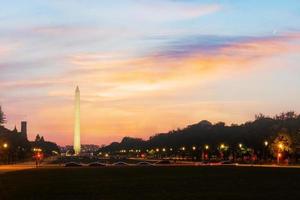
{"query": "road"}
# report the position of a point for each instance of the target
(15, 167)
(31, 165)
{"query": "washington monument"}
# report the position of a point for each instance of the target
(77, 122)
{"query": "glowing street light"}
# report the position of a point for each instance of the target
(171, 149)
(5, 145)
(240, 145)
(206, 147)
(266, 143)
(163, 149)
(183, 148)
(222, 146)
(38, 155)
(279, 155)
(37, 150)
(194, 148)
(157, 150)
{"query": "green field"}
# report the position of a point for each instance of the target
(152, 183)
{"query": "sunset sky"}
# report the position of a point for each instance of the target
(146, 66)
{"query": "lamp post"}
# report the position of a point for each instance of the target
(38, 155)
(5, 147)
(194, 153)
(266, 143)
(239, 154)
(222, 146)
(279, 154)
(157, 153)
(183, 154)
(205, 155)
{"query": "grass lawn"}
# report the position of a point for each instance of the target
(152, 183)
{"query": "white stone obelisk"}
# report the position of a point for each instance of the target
(77, 122)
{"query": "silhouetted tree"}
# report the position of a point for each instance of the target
(47, 147)
(2, 116)
(251, 135)
(37, 138)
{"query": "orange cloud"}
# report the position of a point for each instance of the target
(138, 96)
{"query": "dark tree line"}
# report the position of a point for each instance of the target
(251, 134)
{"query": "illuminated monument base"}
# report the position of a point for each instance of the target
(77, 123)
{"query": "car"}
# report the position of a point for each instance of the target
(120, 164)
(144, 164)
(96, 164)
(73, 164)
(163, 162)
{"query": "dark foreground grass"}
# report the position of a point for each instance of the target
(152, 183)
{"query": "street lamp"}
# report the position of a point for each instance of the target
(279, 154)
(266, 143)
(223, 148)
(5, 146)
(205, 155)
(238, 153)
(194, 148)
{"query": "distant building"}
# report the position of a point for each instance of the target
(17, 143)
(22, 133)
(89, 148)
(85, 148)
(24, 129)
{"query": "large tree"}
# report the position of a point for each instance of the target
(2, 117)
